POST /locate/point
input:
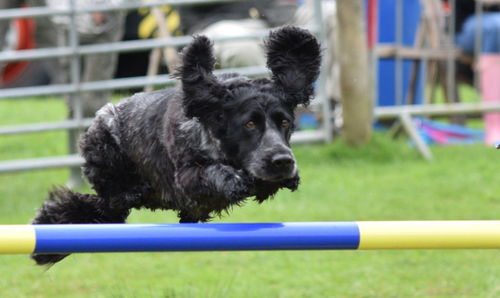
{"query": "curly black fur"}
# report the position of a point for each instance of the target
(199, 149)
(294, 57)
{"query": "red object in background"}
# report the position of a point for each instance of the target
(447, 7)
(371, 12)
(24, 39)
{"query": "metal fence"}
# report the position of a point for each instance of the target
(440, 53)
(75, 51)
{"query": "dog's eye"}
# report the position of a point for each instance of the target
(285, 123)
(250, 125)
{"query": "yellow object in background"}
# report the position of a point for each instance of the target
(148, 27)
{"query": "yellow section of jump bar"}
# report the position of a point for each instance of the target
(429, 234)
(17, 239)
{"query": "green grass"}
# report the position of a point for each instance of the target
(466, 93)
(386, 180)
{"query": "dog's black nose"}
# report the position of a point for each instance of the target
(282, 160)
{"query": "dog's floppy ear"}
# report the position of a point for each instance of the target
(294, 57)
(199, 85)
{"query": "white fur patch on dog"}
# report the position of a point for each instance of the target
(108, 114)
(202, 137)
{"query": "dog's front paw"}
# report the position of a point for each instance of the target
(238, 186)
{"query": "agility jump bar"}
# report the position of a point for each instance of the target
(367, 235)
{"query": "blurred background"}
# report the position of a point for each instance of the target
(403, 127)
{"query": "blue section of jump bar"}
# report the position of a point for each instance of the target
(196, 237)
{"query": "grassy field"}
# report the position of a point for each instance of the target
(386, 180)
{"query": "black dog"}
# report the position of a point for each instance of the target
(199, 149)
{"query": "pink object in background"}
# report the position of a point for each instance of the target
(489, 68)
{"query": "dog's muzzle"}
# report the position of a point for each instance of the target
(273, 160)
(274, 167)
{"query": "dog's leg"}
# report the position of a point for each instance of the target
(189, 217)
(215, 181)
(67, 207)
(112, 174)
